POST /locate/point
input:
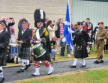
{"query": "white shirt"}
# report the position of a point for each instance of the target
(23, 31)
(13, 39)
(1, 31)
(51, 32)
(81, 30)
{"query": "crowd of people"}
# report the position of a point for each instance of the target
(47, 40)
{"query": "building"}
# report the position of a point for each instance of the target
(25, 9)
(96, 10)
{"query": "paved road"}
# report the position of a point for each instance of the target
(60, 67)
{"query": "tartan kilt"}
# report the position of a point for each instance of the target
(3, 58)
(45, 57)
(80, 53)
(24, 53)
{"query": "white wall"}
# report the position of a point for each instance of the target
(25, 9)
(96, 11)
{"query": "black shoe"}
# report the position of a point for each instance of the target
(2, 80)
(31, 61)
(101, 61)
(53, 59)
(72, 66)
(96, 62)
(83, 66)
(1, 71)
(50, 73)
(21, 70)
(35, 75)
(27, 66)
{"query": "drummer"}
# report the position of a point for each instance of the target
(24, 37)
(42, 36)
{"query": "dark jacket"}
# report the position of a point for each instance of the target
(45, 39)
(80, 42)
(4, 41)
(81, 38)
(25, 37)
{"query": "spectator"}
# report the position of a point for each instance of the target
(84, 26)
(62, 44)
(89, 24)
(51, 29)
(59, 33)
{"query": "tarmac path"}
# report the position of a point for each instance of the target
(11, 74)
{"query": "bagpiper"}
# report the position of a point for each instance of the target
(80, 46)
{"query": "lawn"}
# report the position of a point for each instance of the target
(90, 76)
(93, 54)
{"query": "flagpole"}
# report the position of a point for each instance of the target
(67, 27)
(69, 11)
(70, 20)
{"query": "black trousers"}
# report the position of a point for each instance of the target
(62, 51)
(3, 59)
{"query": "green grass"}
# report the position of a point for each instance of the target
(12, 64)
(91, 76)
(93, 54)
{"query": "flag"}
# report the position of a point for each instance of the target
(67, 27)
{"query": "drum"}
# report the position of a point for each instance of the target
(38, 50)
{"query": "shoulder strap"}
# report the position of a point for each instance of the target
(44, 32)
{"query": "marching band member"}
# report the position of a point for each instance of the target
(24, 37)
(4, 41)
(80, 43)
(43, 37)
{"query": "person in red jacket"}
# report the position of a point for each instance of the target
(84, 26)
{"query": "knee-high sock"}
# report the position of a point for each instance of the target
(1, 68)
(37, 68)
(46, 63)
(27, 62)
(1, 72)
(83, 62)
(37, 64)
(23, 63)
(75, 62)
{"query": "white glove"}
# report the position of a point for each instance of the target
(64, 39)
(70, 30)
